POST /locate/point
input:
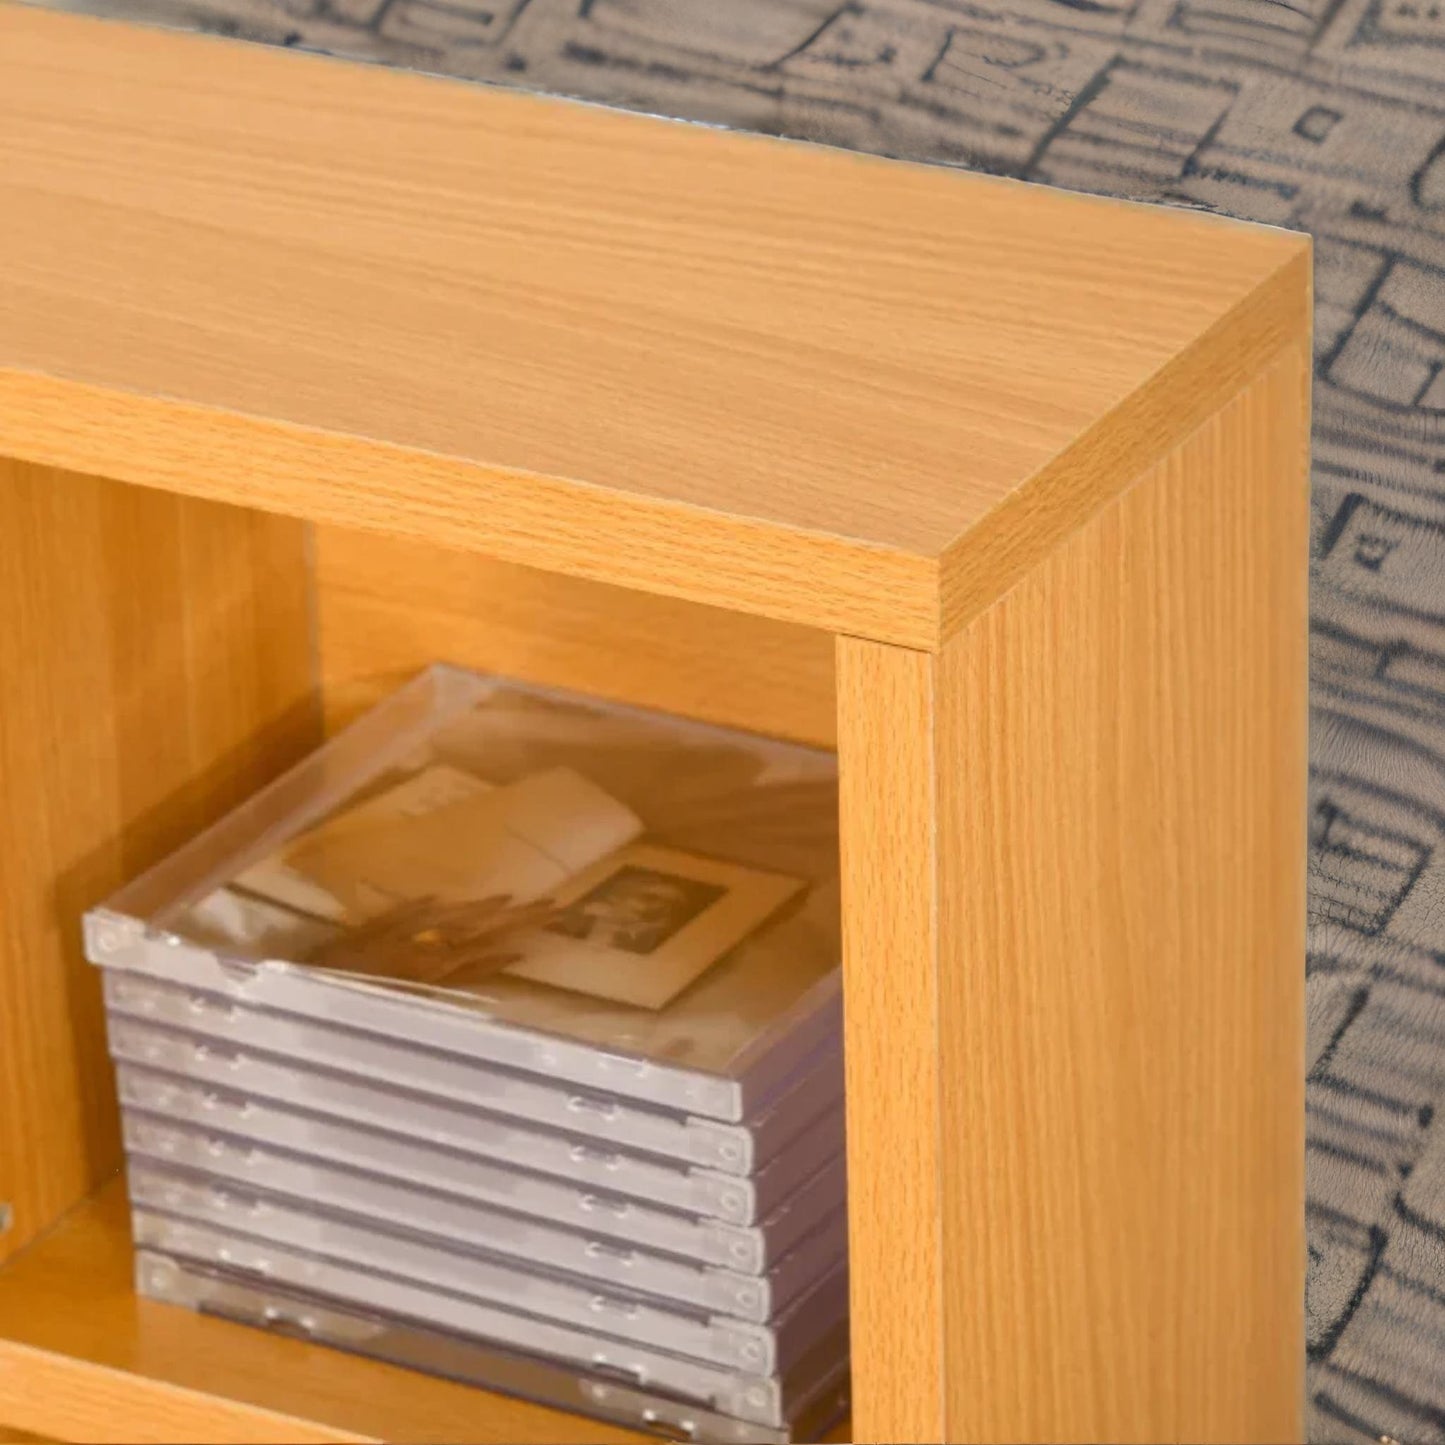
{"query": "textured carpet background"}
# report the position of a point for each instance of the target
(1323, 115)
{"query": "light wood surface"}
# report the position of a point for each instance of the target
(155, 668)
(768, 376)
(82, 1358)
(1074, 891)
(1025, 526)
(892, 1051)
(388, 608)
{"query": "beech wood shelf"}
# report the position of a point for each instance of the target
(312, 373)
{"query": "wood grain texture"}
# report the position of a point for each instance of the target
(763, 375)
(388, 608)
(1021, 531)
(155, 668)
(82, 1358)
(892, 1054)
(1103, 931)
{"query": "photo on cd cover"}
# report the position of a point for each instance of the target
(642, 923)
(448, 881)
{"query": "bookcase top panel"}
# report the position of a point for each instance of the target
(787, 379)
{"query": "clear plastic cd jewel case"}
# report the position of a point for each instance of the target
(185, 1216)
(233, 1127)
(248, 1187)
(502, 1037)
(640, 906)
(594, 1346)
(316, 1095)
(250, 1039)
(679, 1400)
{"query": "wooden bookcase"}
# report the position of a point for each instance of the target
(311, 373)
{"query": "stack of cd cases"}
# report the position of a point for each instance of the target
(501, 1038)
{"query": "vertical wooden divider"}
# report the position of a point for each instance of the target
(155, 668)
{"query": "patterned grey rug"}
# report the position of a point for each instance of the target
(1325, 115)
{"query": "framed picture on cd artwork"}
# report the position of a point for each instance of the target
(646, 921)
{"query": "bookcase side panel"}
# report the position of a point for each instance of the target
(1122, 770)
(1073, 869)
